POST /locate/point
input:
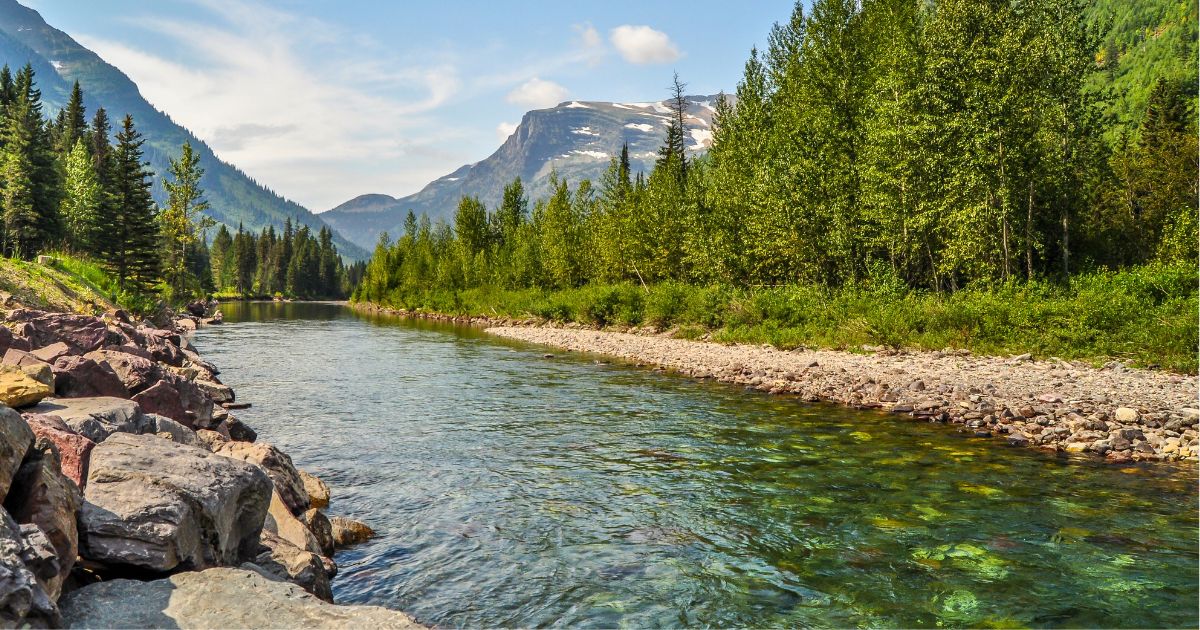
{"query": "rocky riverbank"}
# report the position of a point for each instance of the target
(133, 497)
(1114, 412)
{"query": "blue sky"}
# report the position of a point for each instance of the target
(324, 100)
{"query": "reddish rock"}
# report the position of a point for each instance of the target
(21, 358)
(137, 373)
(52, 352)
(80, 377)
(82, 333)
(74, 450)
(163, 399)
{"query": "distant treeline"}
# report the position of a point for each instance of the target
(925, 145)
(294, 263)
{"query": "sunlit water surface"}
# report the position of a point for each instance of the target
(514, 490)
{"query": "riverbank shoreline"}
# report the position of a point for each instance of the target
(1114, 414)
(122, 468)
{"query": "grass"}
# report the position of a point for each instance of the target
(1145, 317)
(69, 284)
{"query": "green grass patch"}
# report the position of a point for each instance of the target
(1146, 316)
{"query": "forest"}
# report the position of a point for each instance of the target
(904, 148)
(74, 189)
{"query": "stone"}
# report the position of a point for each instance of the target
(162, 399)
(44, 497)
(348, 531)
(239, 431)
(156, 505)
(21, 386)
(317, 491)
(278, 466)
(917, 386)
(23, 600)
(74, 450)
(178, 433)
(218, 392)
(318, 524)
(16, 438)
(281, 522)
(80, 377)
(95, 418)
(52, 352)
(217, 598)
(288, 562)
(198, 405)
(82, 333)
(1126, 415)
(38, 555)
(137, 373)
(211, 439)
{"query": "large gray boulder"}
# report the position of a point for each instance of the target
(95, 418)
(153, 504)
(217, 598)
(23, 601)
(15, 439)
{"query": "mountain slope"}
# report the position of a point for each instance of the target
(576, 139)
(58, 60)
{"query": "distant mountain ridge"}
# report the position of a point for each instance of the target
(58, 61)
(576, 138)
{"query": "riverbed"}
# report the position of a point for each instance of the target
(511, 489)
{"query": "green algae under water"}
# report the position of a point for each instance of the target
(514, 490)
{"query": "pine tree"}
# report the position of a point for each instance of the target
(72, 122)
(181, 220)
(130, 247)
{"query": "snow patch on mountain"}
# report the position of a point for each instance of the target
(640, 127)
(585, 131)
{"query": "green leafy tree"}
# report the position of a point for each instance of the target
(181, 221)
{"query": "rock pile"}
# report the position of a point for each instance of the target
(1114, 412)
(120, 463)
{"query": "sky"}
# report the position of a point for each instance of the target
(325, 100)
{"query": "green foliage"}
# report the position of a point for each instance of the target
(180, 223)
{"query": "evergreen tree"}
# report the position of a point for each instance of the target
(81, 201)
(130, 247)
(181, 221)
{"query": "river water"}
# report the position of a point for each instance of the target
(511, 489)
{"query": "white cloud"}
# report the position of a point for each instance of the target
(504, 130)
(538, 93)
(589, 44)
(294, 119)
(642, 45)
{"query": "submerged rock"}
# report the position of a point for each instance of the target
(318, 492)
(153, 504)
(217, 598)
(347, 531)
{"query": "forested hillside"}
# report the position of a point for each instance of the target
(959, 144)
(58, 61)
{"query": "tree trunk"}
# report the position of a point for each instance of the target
(1029, 236)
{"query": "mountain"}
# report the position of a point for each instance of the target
(58, 61)
(576, 139)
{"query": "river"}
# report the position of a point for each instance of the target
(511, 489)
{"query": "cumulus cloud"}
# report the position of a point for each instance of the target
(538, 93)
(504, 130)
(643, 45)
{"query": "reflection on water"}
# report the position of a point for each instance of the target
(513, 490)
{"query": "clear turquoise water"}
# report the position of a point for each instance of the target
(513, 490)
